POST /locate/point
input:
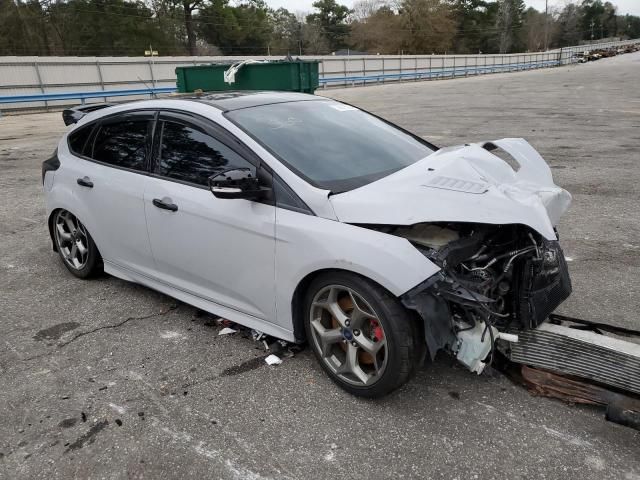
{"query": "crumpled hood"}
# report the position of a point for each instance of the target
(465, 183)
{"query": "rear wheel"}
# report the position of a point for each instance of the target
(75, 246)
(362, 335)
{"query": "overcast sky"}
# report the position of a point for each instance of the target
(624, 6)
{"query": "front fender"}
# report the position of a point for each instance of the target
(307, 244)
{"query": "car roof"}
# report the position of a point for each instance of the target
(235, 100)
(220, 101)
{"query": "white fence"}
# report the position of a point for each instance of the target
(46, 75)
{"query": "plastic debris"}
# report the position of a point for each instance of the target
(257, 335)
(227, 331)
(273, 360)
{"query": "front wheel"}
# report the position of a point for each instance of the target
(75, 245)
(362, 335)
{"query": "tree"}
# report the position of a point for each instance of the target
(188, 7)
(609, 25)
(178, 27)
(569, 19)
(22, 28)
(244, 29)
(428, 26)
(331, 19)
(286, 32)
(107, 27)
(509, 22)
(535, 27)
(475, 22)
(591, 20)
(254, 30)
(365, 9)
(629, 26)
(314, 40)
(379, 32)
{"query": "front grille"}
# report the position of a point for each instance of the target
(544, 284)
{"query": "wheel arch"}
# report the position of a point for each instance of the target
(50, 225)
(52, 214)
(297, 300)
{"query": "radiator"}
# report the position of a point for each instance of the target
(601, 358)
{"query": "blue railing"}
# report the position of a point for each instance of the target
(440, 72)
(47, 97)
(418, 75)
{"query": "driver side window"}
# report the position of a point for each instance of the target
(188, 154)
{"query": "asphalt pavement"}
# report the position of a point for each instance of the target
(107, 379)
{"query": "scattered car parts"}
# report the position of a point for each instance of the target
(604, 354)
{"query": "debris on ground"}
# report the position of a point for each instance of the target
(227, 331)
(273, 360)
(580, 361)
(276, 347)
(211, 321)
(620, 408)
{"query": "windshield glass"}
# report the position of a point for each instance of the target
(329, 144)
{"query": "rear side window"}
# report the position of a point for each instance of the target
(78, 140)
(123, 144)
(190, 155)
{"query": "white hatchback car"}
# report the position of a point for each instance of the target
(312, 220)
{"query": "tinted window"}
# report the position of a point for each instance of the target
(285, 198)
(330, 144)
(190, 155)
(123, 144)
(78, 139)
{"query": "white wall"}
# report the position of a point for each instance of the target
(35, 75)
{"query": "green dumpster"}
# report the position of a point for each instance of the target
(289, 76)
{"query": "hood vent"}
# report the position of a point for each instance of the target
(457, 185)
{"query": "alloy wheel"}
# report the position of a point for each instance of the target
(72, 239)
(348, 335)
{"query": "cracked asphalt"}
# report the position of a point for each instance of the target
(106, 379)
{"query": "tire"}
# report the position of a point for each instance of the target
(363, 337)
(75, 246)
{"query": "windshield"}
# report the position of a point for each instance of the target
(330, 144)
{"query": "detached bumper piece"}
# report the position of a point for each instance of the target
(569, 349)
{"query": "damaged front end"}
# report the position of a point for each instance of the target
(488, 223)
(495, 281)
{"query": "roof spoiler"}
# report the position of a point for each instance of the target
(74, 114)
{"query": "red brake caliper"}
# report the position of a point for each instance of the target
(376, 330)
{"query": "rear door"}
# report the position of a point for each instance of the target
(220, 250)
(111, 178)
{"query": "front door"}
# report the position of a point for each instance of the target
(219, 250)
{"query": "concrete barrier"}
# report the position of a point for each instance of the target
(44, 82)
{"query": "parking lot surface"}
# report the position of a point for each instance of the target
(107, 379)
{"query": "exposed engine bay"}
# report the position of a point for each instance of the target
(495, 281)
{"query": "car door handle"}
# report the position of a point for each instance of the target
(85, 182)
(165, 205)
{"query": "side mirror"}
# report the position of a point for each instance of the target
(236, 183)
